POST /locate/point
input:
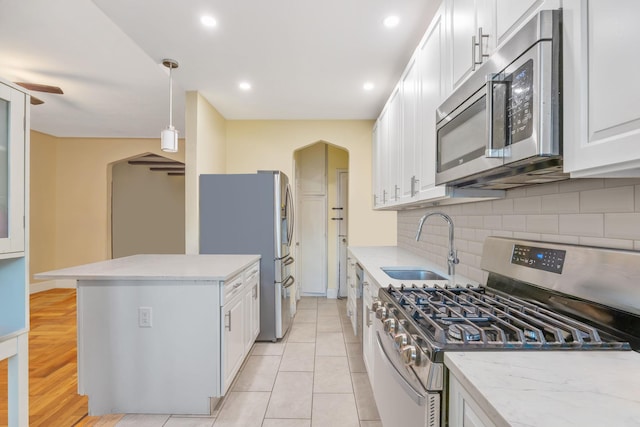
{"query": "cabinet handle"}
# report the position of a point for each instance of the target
(375, 200)
(228, 316)
(368, 317)
(255, 292)
(237, 285)
(384, 196)
(473, 53)
(395, 192)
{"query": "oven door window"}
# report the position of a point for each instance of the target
(463, 138)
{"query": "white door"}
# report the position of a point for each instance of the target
(312, 245)
(343, 241)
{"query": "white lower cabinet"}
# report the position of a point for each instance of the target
(464, 411)
(234, 344)
(240, 321)
(369, 294)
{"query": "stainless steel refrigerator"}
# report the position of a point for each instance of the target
(253, 214)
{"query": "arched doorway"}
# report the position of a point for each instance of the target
(321, 182)
(147, 206)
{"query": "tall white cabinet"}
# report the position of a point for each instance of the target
(14, 293)
(601, 109)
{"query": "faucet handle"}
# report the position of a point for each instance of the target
(453, 257)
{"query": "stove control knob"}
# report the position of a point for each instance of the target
(382, 313)
(410, 355)
(376, 305)
(390, 326)
(401, 340)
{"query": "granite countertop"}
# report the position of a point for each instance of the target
(373, 257)
(552, 388)
(157, 267)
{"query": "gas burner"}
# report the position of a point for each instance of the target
(457, 331)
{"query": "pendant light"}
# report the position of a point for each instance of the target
(169, 136)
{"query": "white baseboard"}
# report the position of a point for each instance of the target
(332, 293)
(52, 284)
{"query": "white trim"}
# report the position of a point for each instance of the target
(52, 284)
(332, 293)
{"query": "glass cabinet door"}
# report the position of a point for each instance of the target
(12, 171)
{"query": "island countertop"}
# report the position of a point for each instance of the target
(157, 267)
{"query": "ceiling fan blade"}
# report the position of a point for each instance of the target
(41, 88)
(36, 101)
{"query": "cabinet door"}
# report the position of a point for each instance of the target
(367, 326)
(248, 319)
(469, 21)
(463, 410)
(431, 55)
(234, 343)
(12, 172)
(380, 137)
(410, 131)
(255, 311)
(391, 150)
(601, 112)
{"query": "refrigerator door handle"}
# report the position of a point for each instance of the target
(289, 282)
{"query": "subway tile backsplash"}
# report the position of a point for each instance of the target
(594, 212)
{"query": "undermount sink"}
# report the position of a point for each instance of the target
(411, 273)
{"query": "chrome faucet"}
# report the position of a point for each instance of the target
(452, 258)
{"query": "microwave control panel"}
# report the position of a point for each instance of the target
(520, 111)
(546, 259)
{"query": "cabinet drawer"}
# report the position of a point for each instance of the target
(252, 274)
(232, 287)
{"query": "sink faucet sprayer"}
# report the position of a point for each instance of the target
(452, 258)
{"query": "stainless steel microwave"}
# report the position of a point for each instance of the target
(502, 128)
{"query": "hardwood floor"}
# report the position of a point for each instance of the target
(53, 398)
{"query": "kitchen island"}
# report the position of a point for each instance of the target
(163, 333)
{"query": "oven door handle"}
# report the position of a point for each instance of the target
(416, 396)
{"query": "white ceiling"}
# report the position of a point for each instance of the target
(305, 59)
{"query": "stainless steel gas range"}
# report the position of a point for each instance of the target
(538, 297)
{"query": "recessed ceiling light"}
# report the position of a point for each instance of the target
(368, 86)
(391, 21)
(244, 85)
(208, 21)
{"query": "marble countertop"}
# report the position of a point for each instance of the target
(552, 388)
(373, 257)
(157, 267)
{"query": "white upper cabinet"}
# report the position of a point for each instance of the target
(410, 131)
(433, 84)
(12, 171)
(511, 14)
(601, 109)
(392, 149)
(471, 35)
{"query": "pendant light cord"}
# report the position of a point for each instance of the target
(170, 97)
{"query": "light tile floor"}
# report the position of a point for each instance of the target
(315, 377)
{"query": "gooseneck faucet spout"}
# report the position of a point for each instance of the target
(452, 258)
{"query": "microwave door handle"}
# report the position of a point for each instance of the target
(491, 152)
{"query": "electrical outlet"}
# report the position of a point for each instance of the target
(144, 317)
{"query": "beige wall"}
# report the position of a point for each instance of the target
(205, 153)
(147, 212)
(253, 145)
(73, 227)
(42, 199)
(70, 178)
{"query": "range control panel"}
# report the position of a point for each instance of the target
(539, 258)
